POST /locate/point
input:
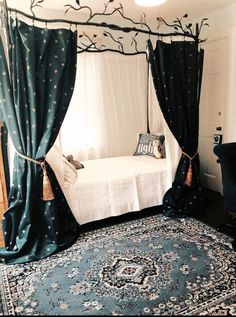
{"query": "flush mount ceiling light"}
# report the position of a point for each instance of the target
(149, 3)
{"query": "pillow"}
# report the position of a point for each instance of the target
(65, 172)
(70, 173)
(151, 144)
(77, 164)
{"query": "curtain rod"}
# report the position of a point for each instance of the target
(115, 27)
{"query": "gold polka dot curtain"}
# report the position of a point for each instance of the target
(34, 100)
(177, 71)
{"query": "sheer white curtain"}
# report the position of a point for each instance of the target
(108, 107)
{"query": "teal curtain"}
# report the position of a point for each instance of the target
(4, 149)
(34, 100)
(177, 72)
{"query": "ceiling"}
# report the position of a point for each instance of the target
(168, 10)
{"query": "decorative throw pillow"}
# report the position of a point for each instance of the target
(151, 144)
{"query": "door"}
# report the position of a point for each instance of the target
(212, 110)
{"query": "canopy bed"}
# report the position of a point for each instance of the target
(44, 214)
(113, 186)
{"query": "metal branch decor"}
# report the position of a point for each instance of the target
(34, 4)
(97, 34)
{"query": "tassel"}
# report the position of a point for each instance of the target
(188, 179)
(47, 188)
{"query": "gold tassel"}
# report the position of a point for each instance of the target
(188, 179)
(47, 188)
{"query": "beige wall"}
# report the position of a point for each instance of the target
(222, 23)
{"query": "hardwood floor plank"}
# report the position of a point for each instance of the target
(1, 233)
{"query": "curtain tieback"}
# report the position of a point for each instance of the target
(189, 176)
(47, 188)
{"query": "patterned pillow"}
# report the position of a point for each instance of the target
(151, 144)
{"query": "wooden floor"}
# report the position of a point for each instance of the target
(214, 215)
(1, 236)
(1, 240)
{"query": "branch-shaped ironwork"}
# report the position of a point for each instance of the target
(134, 42)
(92, 45)
(111, 7)
(202, 24)
(177, 25)
(105, 13)
(34, 4)
(120, 45)
(180, 28)
(100, 24)
(177, 28)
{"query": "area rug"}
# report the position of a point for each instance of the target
(150, 266)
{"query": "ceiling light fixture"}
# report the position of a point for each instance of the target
(149, 3)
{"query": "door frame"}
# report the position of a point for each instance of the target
(223, 35)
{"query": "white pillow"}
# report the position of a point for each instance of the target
(65, 172)
(70, 173)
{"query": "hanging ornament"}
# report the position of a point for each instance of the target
(47, 188)
(189, 176)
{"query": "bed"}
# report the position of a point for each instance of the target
(111, 186)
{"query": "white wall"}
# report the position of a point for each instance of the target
(222, 23)
(220, 20)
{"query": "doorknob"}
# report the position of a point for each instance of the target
(217, 138)
(218, 128)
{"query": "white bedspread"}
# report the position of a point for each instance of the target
(114, 186)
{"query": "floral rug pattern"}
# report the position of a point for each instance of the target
(151, 266)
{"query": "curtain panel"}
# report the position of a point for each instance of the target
(177, 71)
(34, 100)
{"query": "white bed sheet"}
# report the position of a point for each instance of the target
(114, 186)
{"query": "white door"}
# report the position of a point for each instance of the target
(212, 110)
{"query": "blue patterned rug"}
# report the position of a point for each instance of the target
(151, 266)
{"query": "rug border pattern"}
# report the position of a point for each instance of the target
(7, 302)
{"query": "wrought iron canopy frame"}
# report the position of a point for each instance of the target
(88, 42)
